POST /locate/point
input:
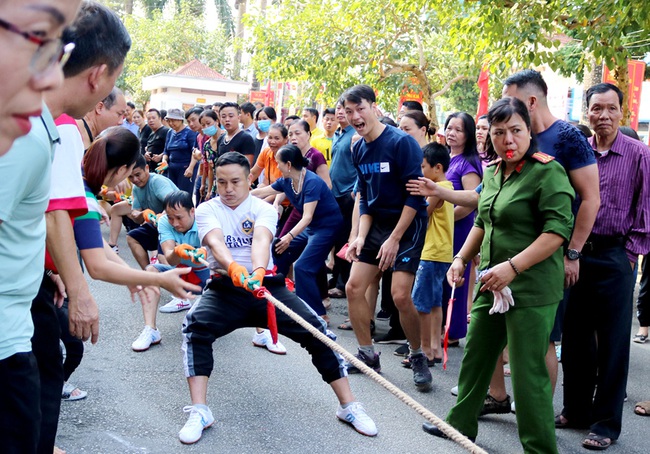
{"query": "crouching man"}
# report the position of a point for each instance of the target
(237, 230)
(178, 237)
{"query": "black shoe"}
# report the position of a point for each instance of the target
(421, 373)
(383, 315)
(372, 363)
(491, 406)
(391, 337)
(402, 350)
(433, 430)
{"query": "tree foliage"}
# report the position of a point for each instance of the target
(162, 45)
(330, 45)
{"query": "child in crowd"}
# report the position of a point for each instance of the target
(436, 256)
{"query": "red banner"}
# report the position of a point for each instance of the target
(483, 99)
(635, 70)
(265, 97)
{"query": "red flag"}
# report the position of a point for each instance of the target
(484, 95)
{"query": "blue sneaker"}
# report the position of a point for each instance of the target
(372, 363)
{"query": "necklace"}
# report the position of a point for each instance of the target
(297, 191)
(226, 140)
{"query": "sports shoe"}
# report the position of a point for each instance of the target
(372, 363)
(115, 248)
(153, 260)
(264, 339)
(146, 339)
(512, 407)
(198, 421)
(68, 392)
(391, 337)
(383, 315)
(175, 305)
(492, 406)
(355, 415)
(402, 350)
(421, 373)
(454, 391)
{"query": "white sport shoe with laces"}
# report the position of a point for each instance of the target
(146, 339)
(175, 305)
(356, 416)
(264, 339)
(198, 421)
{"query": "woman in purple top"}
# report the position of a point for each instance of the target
(465, 172)
(299, 135)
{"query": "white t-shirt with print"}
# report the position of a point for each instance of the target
(237, 226)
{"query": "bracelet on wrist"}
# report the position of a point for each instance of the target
(462, 259)
(514, 267)
(292, 237)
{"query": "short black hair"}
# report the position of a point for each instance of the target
(388, 121)
(629, 132)
(312, 111)
(234, 157)
(358, 93)
(436, 153)
(269, 111)
(585, 130)
(100, 37)
(156, 111)
(413, 105)
(292, 117)
(178, 199)
(291, 153)
(604, 88)
(248, 108)
(528, 77)
(329, 111)
(140, 162)
(109, 100)
(194, 110)
(230, 104)
(130, 104)
(163, 113)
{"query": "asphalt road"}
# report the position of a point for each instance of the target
(265, 403)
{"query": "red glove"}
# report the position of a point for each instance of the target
(237, 273)
(255, 279)
(182, 250)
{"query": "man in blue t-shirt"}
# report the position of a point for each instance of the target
(179, 241)
(391, 228)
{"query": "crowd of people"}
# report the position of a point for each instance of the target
(548, 221)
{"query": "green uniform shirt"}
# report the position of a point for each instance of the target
(535, 199)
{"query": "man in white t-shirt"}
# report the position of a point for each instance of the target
(237, 230)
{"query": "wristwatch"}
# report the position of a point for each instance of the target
(573, 254)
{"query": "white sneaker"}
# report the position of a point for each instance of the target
(175, 305)
(264, 339)
(454, 391)
(115, 249)
(146, 339)
(356, 416)
(512, 407)
(198, 421)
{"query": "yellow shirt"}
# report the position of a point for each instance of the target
(324, 145)
(439, 240)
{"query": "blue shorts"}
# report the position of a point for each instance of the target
(147, 236)
(202, 273)
(427, 291)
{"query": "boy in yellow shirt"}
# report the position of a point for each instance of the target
(436, 257)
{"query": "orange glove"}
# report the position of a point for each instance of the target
(200, 253)
(255, 279)
(182, 250)
(237, 273)
(150, 217)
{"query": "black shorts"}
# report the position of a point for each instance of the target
(147, 236)
(410, 248)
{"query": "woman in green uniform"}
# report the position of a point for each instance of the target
(524, 216)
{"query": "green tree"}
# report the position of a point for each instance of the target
(162, 45)
(330, 45)
(461, 97)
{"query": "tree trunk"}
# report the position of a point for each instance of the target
(128, 6)
(239, 35)
(623, 83)
(593, 75)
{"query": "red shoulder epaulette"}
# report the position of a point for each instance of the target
(543, 157)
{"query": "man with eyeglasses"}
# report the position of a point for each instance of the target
(29, 39)
(102, 43)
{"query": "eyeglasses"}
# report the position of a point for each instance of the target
(48, 53)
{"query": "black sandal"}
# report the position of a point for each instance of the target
(602, 441)
(491, 406)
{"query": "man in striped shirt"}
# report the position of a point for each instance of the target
(595, 344)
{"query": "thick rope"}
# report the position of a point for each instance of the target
(448, 430)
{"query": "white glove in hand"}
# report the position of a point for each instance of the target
(502, 301)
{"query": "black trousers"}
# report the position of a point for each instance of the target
(643, 302)
(74, 347)
(20, 412)
(341, 271)
(45, 345)
(224, 308)
(596, 341)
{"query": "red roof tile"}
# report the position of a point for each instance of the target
(197, 69)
